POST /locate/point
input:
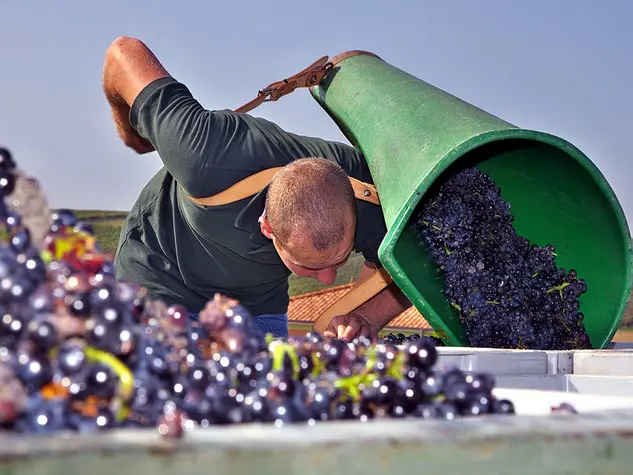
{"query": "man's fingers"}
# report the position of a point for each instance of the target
(348, 327)
(143, 147)
(135, 142)
(338, 325)
(332, 329)
(350, 332)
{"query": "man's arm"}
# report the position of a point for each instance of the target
(373, 315)
(128, 68)
(384, 306)
(205, 151)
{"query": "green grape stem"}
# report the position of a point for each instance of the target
(440, 334)
(559, 288)
(279, 353)
(319, 365)
(126, 378)
(351, 386)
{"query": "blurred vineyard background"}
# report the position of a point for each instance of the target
(107, 226)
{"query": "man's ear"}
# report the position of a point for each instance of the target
(265, 227)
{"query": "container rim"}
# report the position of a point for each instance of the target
(387, 246)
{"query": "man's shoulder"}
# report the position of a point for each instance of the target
(209, 150)
(273, 145)
(347, 156)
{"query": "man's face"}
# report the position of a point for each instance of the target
(304, 261)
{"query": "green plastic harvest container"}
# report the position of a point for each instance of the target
(412, 132)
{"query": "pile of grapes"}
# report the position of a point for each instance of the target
(81, 351)
(508, 293)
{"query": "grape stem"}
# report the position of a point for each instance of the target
(559, 288)
(126, 378)
(279, 353)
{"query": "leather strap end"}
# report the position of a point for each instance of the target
(353, 299)
(364, 191)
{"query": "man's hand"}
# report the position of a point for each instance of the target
(372, 316)
(132, 139)
(348, 327)
(137, 143)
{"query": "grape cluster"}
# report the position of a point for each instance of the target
(82, 351)
(401, 338)
(508, 293)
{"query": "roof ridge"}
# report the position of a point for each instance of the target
(322, 291)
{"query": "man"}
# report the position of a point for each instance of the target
(306, 221)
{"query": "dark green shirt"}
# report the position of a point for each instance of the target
(183, 252)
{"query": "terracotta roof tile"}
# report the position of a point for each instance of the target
(306, 308)
(410, 318)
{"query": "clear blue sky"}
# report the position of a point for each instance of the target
(564, 67)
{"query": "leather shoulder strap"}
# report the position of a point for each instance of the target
(249, 186)
(309, 76)
(360, 294)
(253, 184)
(364, 191)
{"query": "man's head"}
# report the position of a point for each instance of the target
(311, 217)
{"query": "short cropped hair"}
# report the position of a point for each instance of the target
(312, 197)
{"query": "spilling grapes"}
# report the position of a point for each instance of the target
(508, 292)
(401, 338)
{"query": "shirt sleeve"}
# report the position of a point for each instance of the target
(205, 151)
